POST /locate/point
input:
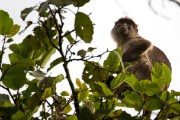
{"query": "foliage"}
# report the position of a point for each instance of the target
(103, 90)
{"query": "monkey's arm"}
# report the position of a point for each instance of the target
(135, 49)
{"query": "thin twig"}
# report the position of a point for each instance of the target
(155, 12)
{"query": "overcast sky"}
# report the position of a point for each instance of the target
(164, 33)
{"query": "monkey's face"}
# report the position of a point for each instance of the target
(123, 30)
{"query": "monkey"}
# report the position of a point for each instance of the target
(138, 51)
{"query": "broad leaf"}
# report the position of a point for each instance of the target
(146, 86)
(118, 80)
(85, 114)
(47, 93)
(81, 53)
(113, 61)
(153, 104)
(84, 27)
(6, 23)
(83, 93)
(67, 109)
(102, 89)
(26, 12)
(15, 76)
(133, 100)
(94, 72)
(15, 28)
(65, 93)
(19, 115)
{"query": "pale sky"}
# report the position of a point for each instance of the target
(163, 33)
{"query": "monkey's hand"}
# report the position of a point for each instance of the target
(135, 50)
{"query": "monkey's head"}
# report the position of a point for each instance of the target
(124, 29)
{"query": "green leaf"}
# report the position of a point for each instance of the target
(78, 83)
(81, 53)
(14, 58)
(67, 109)
(43, 7)
(47, 93)
(72, 117)
(33, 102)
(9, 40)
(15, 76)
(84, 27)
(132, 100)
(90, 49)
(153, 104)
(65, 93)
(146, 86)
(94, 72)
(54, 63)
(80, 3)
(131, 80)
(26, 12)
(69, 37)
(46, 57)
(4, 97)
(15, 28)
(83, 93)
(85, 114)
(102, 89)
(6, 23)
(118, 80)
(161, 74)
(19, 115)
(39, 54)
(116, 58)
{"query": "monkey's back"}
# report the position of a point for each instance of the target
(159, 56)
(142, 67)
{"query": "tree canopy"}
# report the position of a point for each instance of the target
(102, 90)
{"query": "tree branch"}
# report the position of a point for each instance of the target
(3, 48)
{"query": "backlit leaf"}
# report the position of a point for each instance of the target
(6, 23)
(15, 28)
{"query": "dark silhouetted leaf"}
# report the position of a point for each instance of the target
(54, 63)
(90, 49)
(69, 37)
(81, 53)
(84, 27)
(19, 115)
(94, 72)
(85, 114)
(80, 3)
(26, 12)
